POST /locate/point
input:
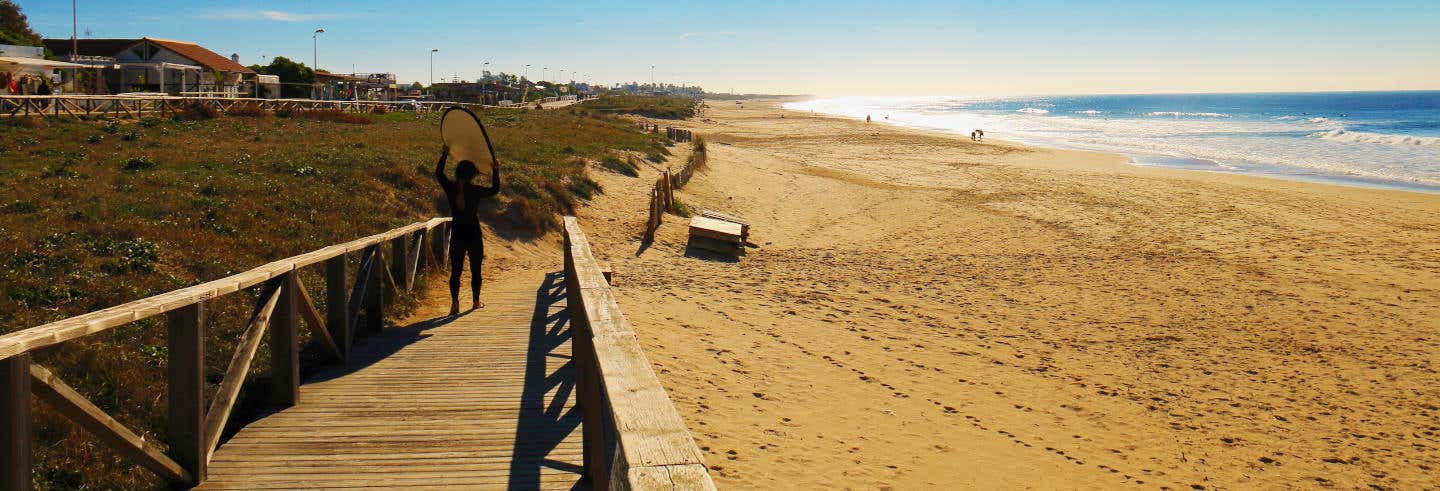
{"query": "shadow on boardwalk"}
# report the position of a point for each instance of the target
(482, 400)
(545, 420)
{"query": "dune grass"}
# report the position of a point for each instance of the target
(98, 213)
(663, 107)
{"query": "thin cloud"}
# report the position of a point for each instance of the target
(706, 34)
(274, 15)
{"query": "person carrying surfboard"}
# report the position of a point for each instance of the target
(465, 237)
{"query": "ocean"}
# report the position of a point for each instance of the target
(1376, 139)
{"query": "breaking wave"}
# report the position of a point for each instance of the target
(1185, 114)
(1365, 137)
(1031, 110)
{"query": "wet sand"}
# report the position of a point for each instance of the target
(925, 311)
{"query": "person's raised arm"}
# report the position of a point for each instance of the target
(494, 188)
(440, 168)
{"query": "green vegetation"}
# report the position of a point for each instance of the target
(291, 73)
(624, 167)
(663, 107)
(679, 208)
(14, 27)
(98, 213)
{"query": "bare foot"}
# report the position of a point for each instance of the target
(478, 305)
(454, 308)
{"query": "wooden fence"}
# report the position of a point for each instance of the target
(677, 134)
(141, 106)
(633, 437)
(662, 195)
(194, 429)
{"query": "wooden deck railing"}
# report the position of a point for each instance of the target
(140, 106)
(633, 437)
(194, 429)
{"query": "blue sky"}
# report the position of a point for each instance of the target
(833, 47)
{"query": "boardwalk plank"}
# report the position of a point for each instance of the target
(468, 402)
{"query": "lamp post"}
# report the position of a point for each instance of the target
(527, 72)
(484, 67)
(432, 68)
(315, 47)
(652, 75)
(543, 69)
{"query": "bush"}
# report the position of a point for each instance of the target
(247, 110)
(679, 208)
(134, 164)
(614, 164)
(195, 111)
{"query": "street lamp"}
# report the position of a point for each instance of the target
(652, 75)
(432, 67)
(484, 67)
(543, 69)
(315, 48)
(527, 72)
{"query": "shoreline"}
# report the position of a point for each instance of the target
(1156, 160)
(1318, 184)
(925, 311)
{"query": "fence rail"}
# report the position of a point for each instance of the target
(634, 438)
(140, 106)
(283, 305)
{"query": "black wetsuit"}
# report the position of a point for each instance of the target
(465, 229)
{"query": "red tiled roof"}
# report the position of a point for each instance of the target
(201, 55)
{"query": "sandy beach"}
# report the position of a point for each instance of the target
(924, 311)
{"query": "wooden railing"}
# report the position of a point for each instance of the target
(633, 437)
(194, 429)
(140, 106)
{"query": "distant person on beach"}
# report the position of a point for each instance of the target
(979, 135)
(867, 118)
(465, 237)
(972, 136)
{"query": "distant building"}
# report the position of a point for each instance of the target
(158, 65)
(355, 87)
(28, 64)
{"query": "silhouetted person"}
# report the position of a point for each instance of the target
(464, 198)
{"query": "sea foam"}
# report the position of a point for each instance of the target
(1032, 110)
(1187, 114)
(1366, 137)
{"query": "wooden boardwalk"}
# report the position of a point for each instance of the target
(484, 400)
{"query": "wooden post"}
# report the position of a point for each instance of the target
(375, 293)
(187, 389)
(335, 302)
(15, 434)
(437, 248)
(399, 263)
(285, 345)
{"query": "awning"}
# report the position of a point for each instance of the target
(11, 60)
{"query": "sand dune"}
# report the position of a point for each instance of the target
(925, 311)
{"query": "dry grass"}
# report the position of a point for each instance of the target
(98, 213)
(698, 156)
